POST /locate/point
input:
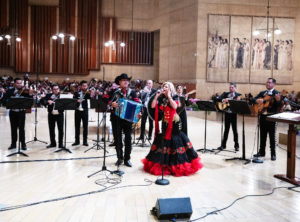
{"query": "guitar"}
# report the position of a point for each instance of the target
(261, 108)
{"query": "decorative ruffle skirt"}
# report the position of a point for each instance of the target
(177, 156)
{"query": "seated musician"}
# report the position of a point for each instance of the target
(54, 116)
(123, 125)
(266, 127)
(82, 112)
(230, 118)
(17, 116)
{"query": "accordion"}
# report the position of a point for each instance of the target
(128, 110)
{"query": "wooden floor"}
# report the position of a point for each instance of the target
(217, 185)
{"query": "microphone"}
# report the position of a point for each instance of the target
(285, 99)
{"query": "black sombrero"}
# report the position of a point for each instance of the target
(122, 76)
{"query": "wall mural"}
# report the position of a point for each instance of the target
(218, 48)
(239, 49)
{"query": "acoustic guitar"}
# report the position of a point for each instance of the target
(261, 108)
(223, 106)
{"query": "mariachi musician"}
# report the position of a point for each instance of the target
(271, 97)
(146, 93)
(82, 112)
(17, 116)
(123, 125)
(230, 118)
(183, 101)
(54, 116)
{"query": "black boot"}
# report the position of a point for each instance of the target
(259, 154)
(236, 147)
(76, 143)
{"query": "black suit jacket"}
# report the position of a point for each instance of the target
(44, 101)
(11, 93)
(84, 102)
(227, 94)
(274, 108)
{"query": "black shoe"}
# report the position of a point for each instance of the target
(51, 146)
(259, 155)
(75, 144)
(24, 147)
(221, 148)
(12, 147)
(119, 162)
(112, 144)
(128, 163)
(85, 144)
(273, 157)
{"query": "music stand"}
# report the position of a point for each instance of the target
(206, 106)
(65, 104)
(240, 107)
(100, 106)
(19, 103)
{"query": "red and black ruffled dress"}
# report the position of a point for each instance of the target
(171, 149)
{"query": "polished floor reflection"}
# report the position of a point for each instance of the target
(217, 185)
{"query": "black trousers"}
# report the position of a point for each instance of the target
(183, 119)
(17, 121)
(265, 128)
(59, 119)
(84, 117)
(230, 119)
(143, 125)
(125, 127)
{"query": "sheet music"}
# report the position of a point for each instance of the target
(66, 96)
(286, 115)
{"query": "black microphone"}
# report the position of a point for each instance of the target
(285, 99)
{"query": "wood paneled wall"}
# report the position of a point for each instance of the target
(21, 60)
(43, 23)
(38, 52)
(14, 21)
(5, 51)
(87, 50)
(4, 28)
(3, 13)
(138, 48)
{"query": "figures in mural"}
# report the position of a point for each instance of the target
(240, 53)
(261, 54)
(241, 57)
(246, 53)
(217, 52)
(283, 53)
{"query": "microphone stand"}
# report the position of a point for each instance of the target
(35, 139)
(162, 181)
(37, 66)
(104, 168)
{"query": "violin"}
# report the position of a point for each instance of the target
(26, 91)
